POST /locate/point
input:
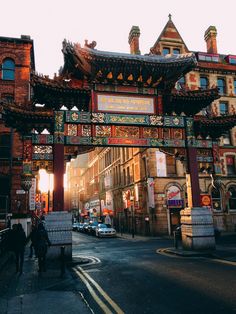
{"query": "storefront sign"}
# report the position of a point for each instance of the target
(205, 200)
(175, 203)
(125, 104)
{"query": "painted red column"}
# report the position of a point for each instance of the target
(193, 172)
(58, 165)
(58, 161)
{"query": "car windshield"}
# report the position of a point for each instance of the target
(102, 226)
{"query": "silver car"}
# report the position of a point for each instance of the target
(102, 230)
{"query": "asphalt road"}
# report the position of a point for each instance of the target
(129, 276)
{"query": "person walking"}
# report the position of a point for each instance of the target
(17, 245)
(41, 244)
(32, 237)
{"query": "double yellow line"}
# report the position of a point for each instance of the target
(91, 284)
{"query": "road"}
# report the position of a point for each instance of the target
(129, 276)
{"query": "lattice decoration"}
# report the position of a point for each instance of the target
(72, 129)
(42, 149)
(86, 130)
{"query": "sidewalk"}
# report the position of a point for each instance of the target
(225, 247)
(32, 293)
(225, 250)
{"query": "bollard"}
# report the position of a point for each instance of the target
(62, 261)
(175, 239)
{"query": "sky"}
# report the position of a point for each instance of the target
(49, 22)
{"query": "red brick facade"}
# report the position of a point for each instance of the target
(20, 51)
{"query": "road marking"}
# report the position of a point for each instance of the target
(86, 279)
(223, 261)
(93, 293)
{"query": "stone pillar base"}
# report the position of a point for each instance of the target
(59, 228)
(197, 229)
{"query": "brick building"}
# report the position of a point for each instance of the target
(16, 64)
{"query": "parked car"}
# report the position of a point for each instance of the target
(92, 227)
(85, 227)
(75, 226)
(102, 230)
(80, 227)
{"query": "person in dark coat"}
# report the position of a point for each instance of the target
(17, 245)
(32, 237)
(41, 244)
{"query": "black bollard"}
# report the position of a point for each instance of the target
(63, 268)
(176, 239)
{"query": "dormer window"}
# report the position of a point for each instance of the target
(176, 51)
(165, 51)
(8, 70)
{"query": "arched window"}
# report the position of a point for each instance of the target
(216, 199)
(8, 70)
(221, 86)
(204, 82)
(232, 197)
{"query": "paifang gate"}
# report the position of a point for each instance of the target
(115, 99)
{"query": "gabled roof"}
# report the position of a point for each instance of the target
(169, 34)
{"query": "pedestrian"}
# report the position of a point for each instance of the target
(17, 245)
(41, 244)
(32, 237)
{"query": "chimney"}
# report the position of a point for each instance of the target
(210, 38)
(134, 40)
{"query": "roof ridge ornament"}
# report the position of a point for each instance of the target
(170, 16)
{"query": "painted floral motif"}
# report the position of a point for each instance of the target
(103, 130)
(127, 131)
(74, 116)
(150, 132)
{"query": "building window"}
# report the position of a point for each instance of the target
(8, 70)
(165, 51)
(5, 146)
(232, 197)
(176, 51)
(204, 82)
(224, 108)
(221, 86)
(230, 164)
(216, 199)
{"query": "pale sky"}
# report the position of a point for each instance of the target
(108, 22)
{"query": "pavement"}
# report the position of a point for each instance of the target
(51, 292)
(225, 247)
(48, 293)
